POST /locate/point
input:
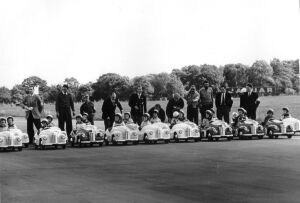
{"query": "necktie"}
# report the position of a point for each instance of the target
(223, 96)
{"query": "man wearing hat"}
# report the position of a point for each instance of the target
(108, 110)
(249, 101)
(33, 106)
(88, 107)
(63, 106)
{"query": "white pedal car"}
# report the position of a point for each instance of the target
(164, 133)
(87, 135)
(52, 136)
(25, 138)
(185, 131)
(217, 129)
(11, 140)
(287, 127)
(121, 134)
(249, 129)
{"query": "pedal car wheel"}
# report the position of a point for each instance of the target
(20, 148)
(217, 139)
(260, 137)
(26, 145)
(186, 140)
(64, 146)
(229, 138)
(125, 143)
(167, 141)
(36, 146)
(289, 136)
(91, 144)
(100, 144)
(106, 142)
(55, 146)
(276, 136)
(270, 134)
(135, 142)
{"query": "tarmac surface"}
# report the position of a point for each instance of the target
(236, 171)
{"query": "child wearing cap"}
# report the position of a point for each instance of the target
(44, 124)
(10, 123)
(285, 113)
(146, 120)
(242, 116)
(50, 121)
(155, 118)
(127, 118)
(118, 120)
(175, 119)
(269, 117)
(207, 120)
(3, 124)
(181, 116)
(85, 119)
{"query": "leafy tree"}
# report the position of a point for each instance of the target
(17, 94)
(211, 73)
(5, 95)
(260, 74)
(174, 85)
(83, 89)
(52, 93)
(36, 81)
(108, 83)
(144, 82)
(235, 75)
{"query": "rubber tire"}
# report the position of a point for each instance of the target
(289, 136)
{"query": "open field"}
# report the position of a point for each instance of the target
(275, 102)
(237, 171)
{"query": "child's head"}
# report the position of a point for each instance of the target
(84, 116)
(2, 122)
(126, 115)
(49, 118)
(146, 117)
(10, 120)
(79, 119)
(242, 111)
(270, 112)
(118, 118)
(181, 115)
(44, 123)
(285, 110)
(155, 113)
(234, 115)
(208, 114)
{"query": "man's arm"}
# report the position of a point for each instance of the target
(181, 103)
(72, 104)
(119, 106)
(130, 102)
(39, 103)
(145, 104)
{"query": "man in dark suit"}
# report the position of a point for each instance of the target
(108, 110)
(249, 101)
(138, 105)
(63, 106)
(33, 105)
(223, 103)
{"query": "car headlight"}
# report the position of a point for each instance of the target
(62, 137)
(44, 138)
(150, 133)
(196, 131)
(25, 136)
(19, 139)
(167, 132)
(180, 132)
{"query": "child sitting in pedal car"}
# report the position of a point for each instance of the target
(242, 117)
(10, 123)
(85, 118)
(3, 124)
(175, 119)
(146, 120)
(205, 124)
(181, 116)
(269, 117)
(155, 118)
(50, 121)
(285, 113)
(127, 118)
(44, 125)
(118, 120)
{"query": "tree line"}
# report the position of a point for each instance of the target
(279, 74)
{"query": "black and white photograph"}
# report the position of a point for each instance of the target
(143, 101)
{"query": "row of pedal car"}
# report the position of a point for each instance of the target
(89, 135)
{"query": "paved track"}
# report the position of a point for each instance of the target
(236, 171)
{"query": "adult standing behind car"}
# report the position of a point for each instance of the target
(176, 103)
(138, 105)
(206, 101)
(64, 104)
(161, 112)
(249, 101)
(108, 110)
(223, 103)
(88, 107)
(32, 103)
(192, 99)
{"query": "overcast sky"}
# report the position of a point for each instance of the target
(55, 39)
